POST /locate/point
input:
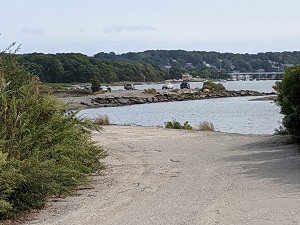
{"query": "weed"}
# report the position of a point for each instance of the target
(206, 126)
(102, 120)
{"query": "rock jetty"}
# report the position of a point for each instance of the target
(168, 96)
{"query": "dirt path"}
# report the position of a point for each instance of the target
(158, 176)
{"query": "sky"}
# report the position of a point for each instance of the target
(121, 26)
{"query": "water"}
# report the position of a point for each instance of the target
(232, 115)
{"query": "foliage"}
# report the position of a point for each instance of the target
(213, 86)
(71, 67)
(208, 65)
(203, 126)
(102, 120)
(43, 150)
(206, 126)
(96, 86)
(187, 126)
(151, 66)
(281, 130)
(289, 101)
(176, 125)
(173, 124)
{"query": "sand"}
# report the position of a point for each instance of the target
(160, 176)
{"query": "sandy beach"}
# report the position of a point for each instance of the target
(160, 176)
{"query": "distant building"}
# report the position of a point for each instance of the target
(189, 65)
(288, 65)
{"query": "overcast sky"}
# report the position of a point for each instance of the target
(92, 26)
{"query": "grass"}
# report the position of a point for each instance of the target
(203, 126)
(206, 126)
(150, 91)
(102, 120)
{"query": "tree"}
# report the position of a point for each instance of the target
(175, 73)
(289, 100)
(96, 84)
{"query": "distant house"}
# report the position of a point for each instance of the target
(189, 65)
(288, 65)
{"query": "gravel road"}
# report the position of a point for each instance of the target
(159, 176)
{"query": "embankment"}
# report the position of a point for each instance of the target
(166, 96)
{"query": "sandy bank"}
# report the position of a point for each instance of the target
(160, 176)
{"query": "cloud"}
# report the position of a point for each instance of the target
(129, 28)
(33, 31)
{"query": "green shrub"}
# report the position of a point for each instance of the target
(96, 84)
(289, 101)
(213, 86)
(9, 178)
(43, 150)
(206, 126)
(176, 125)
(173, 124)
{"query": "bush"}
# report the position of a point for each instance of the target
(102, 120)
(173, 124)
(176, 125)
(213, 86)
(289, 101)
(43, 150)
(96, 84)
(206, 126)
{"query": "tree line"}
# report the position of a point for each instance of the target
(75, 67)
(208, 64)
(151, 65)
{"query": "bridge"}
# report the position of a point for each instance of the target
(256, 75)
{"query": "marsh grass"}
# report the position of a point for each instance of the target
(102, 120)
(206, 126)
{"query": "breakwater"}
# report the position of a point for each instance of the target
(168, 96)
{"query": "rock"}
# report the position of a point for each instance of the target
(181, 95)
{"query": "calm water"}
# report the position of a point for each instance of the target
(233, 115)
